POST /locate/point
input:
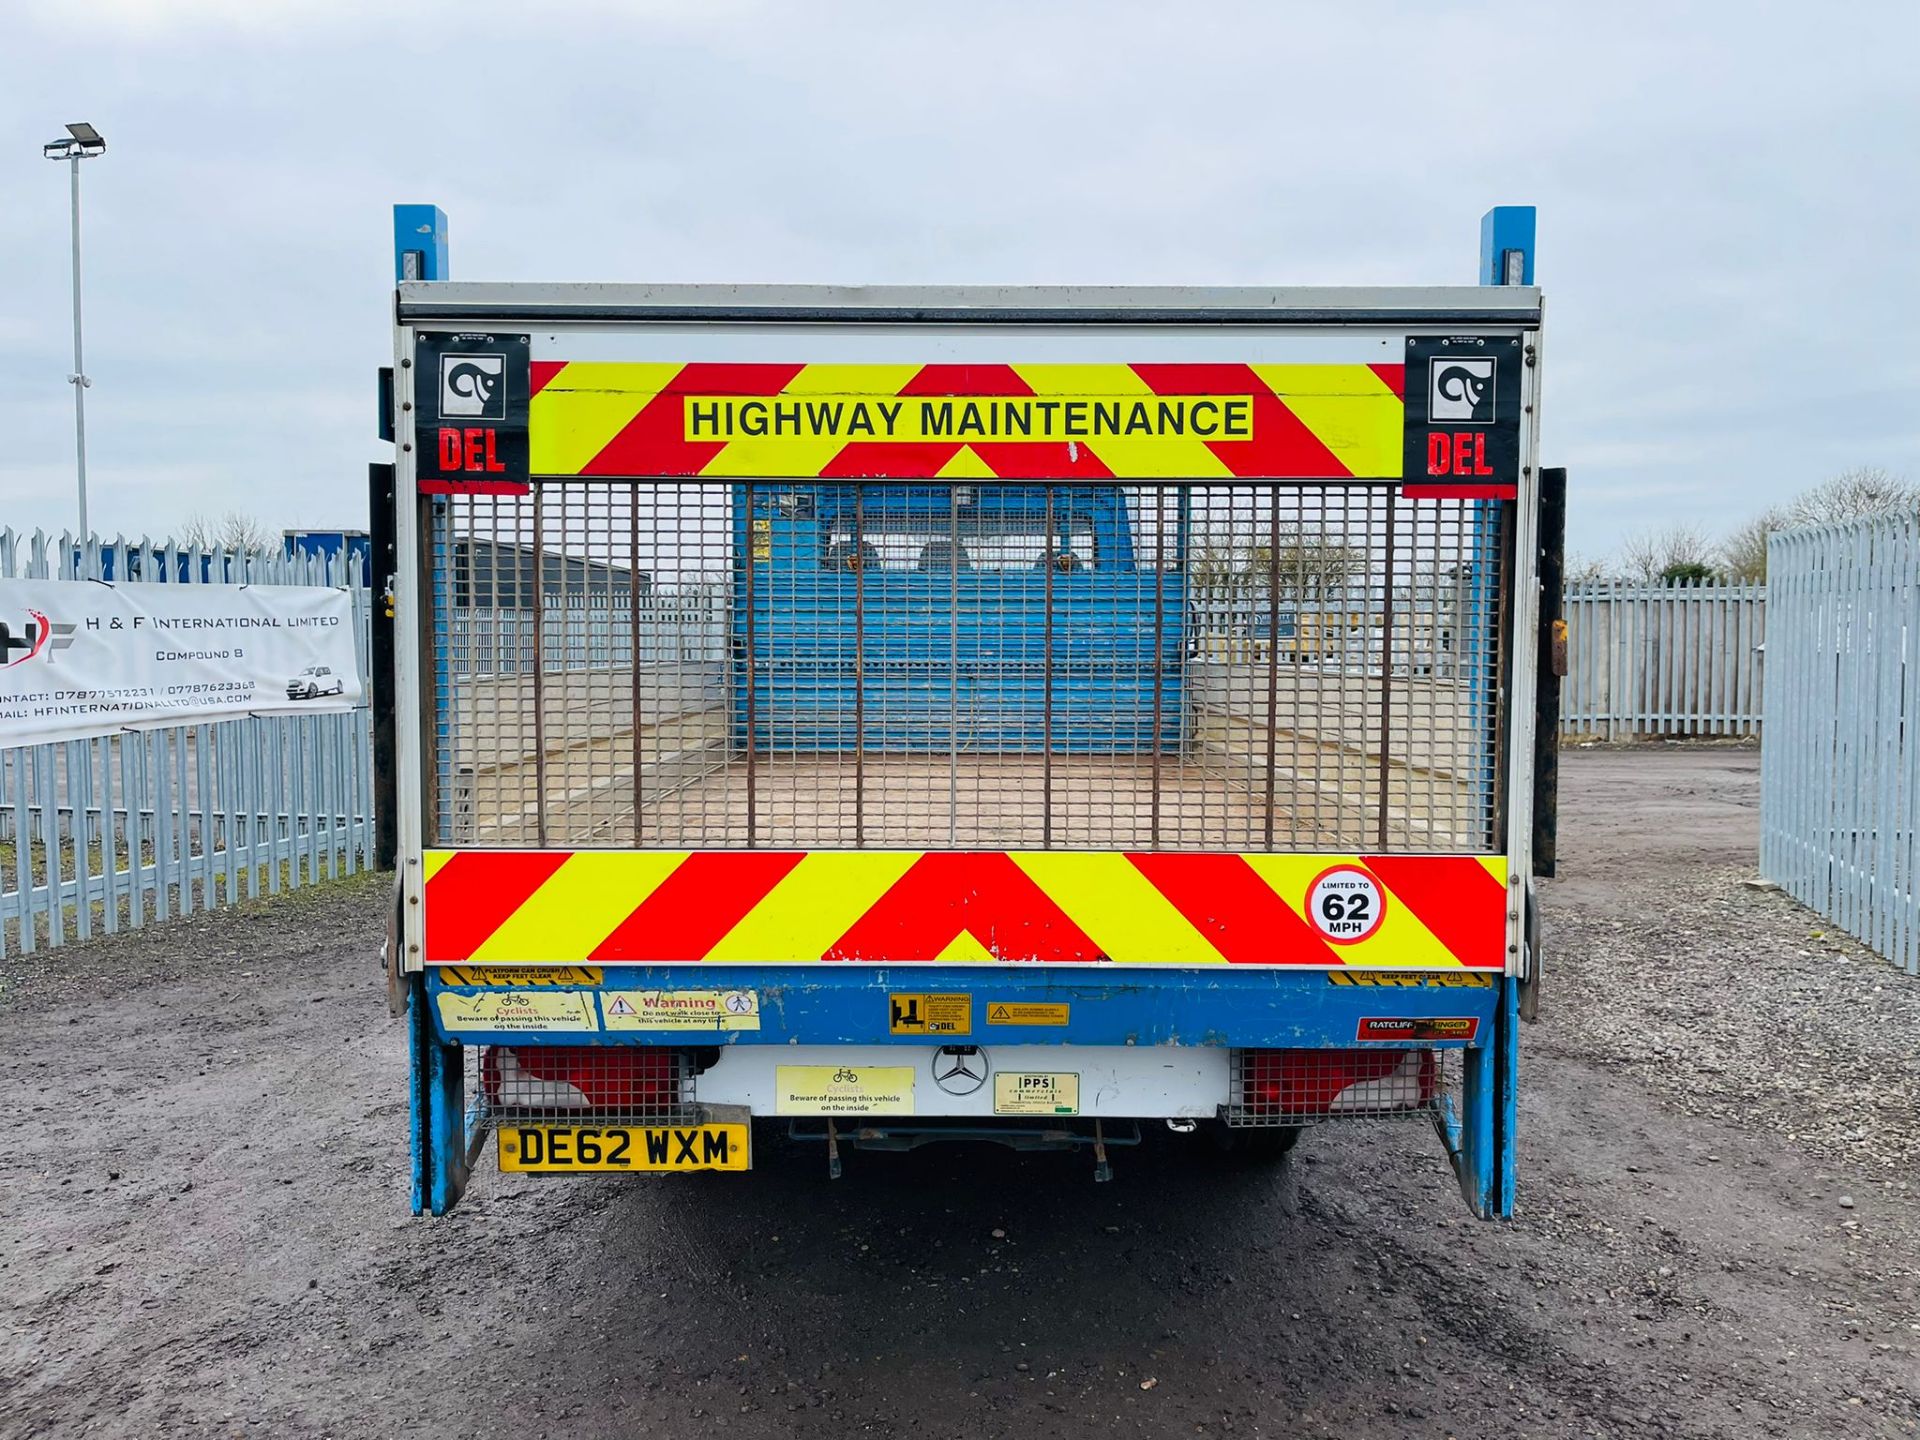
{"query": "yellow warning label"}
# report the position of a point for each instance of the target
(1015, 1093)
(763, 540)
(681, 1009)
(843, 1089)
(930, 1014)
(1007, 1012)
(1385, 980)
(519, 974)
(520, 1010)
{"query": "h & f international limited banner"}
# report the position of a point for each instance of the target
(80, 658)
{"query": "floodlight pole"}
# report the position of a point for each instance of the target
(78, 379)
(83, 143)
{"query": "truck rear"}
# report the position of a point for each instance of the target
(903, 715)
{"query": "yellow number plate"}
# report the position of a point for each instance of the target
(566, 1149)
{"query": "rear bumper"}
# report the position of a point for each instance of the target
(1110, 1082)
(872, 1083)
(1260, 1048)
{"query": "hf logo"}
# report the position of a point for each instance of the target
(17, 646)
(474, 385)
(1461, 390)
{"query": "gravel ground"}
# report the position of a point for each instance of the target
(202, 1222)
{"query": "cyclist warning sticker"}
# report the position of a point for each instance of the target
(681, 1009)
(1346, 904)
(843, 1089)
(1400, 1027)
(518, 1010)
(1011, 1012)
(930, 1014)
(1027, 1094)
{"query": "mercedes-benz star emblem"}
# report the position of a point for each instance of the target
(960, 1069)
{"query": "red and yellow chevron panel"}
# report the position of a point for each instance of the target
(1013, 422)
(638, 907)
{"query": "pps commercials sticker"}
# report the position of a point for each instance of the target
(1050, 1093)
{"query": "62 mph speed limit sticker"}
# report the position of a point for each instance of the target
(1346, 904)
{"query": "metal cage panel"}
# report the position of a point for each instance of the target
(1180, 666)
(567, 1084)
(1270, 1088)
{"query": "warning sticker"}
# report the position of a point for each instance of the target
(843, 1089)
(681, 1009)
(930, 1014)
(1012, 1012)
(519, 974)
(1346, 904)
(1400, 1027)
(1029, 1094)
(519, 1010)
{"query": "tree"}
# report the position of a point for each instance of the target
(1688, 572)
(1854, 494)
(1864, 491)
(1307, 568)
(1583, 569)
(1650, 555)
(1743, 554)
(235, 530)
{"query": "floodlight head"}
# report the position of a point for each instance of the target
(85, 143)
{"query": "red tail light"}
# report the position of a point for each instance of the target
(1277, 1083)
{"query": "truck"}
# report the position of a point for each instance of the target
(1010, 714)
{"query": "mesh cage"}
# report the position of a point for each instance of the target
(568, 1084)
(1302, 1087)
(1181, 666)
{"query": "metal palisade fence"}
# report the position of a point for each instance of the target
(120, 831)
(1663, 660)
(1840, 770)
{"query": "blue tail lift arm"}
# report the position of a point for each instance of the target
(436, 1080)
(1481, 1142)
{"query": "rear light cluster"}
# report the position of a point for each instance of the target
(617, 1079)
(1278, 1087)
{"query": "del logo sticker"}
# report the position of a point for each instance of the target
(1346, 904)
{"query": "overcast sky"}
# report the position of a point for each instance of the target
(1728, 193)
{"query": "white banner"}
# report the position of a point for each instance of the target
(81, 658)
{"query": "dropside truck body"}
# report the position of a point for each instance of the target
(896, 715)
